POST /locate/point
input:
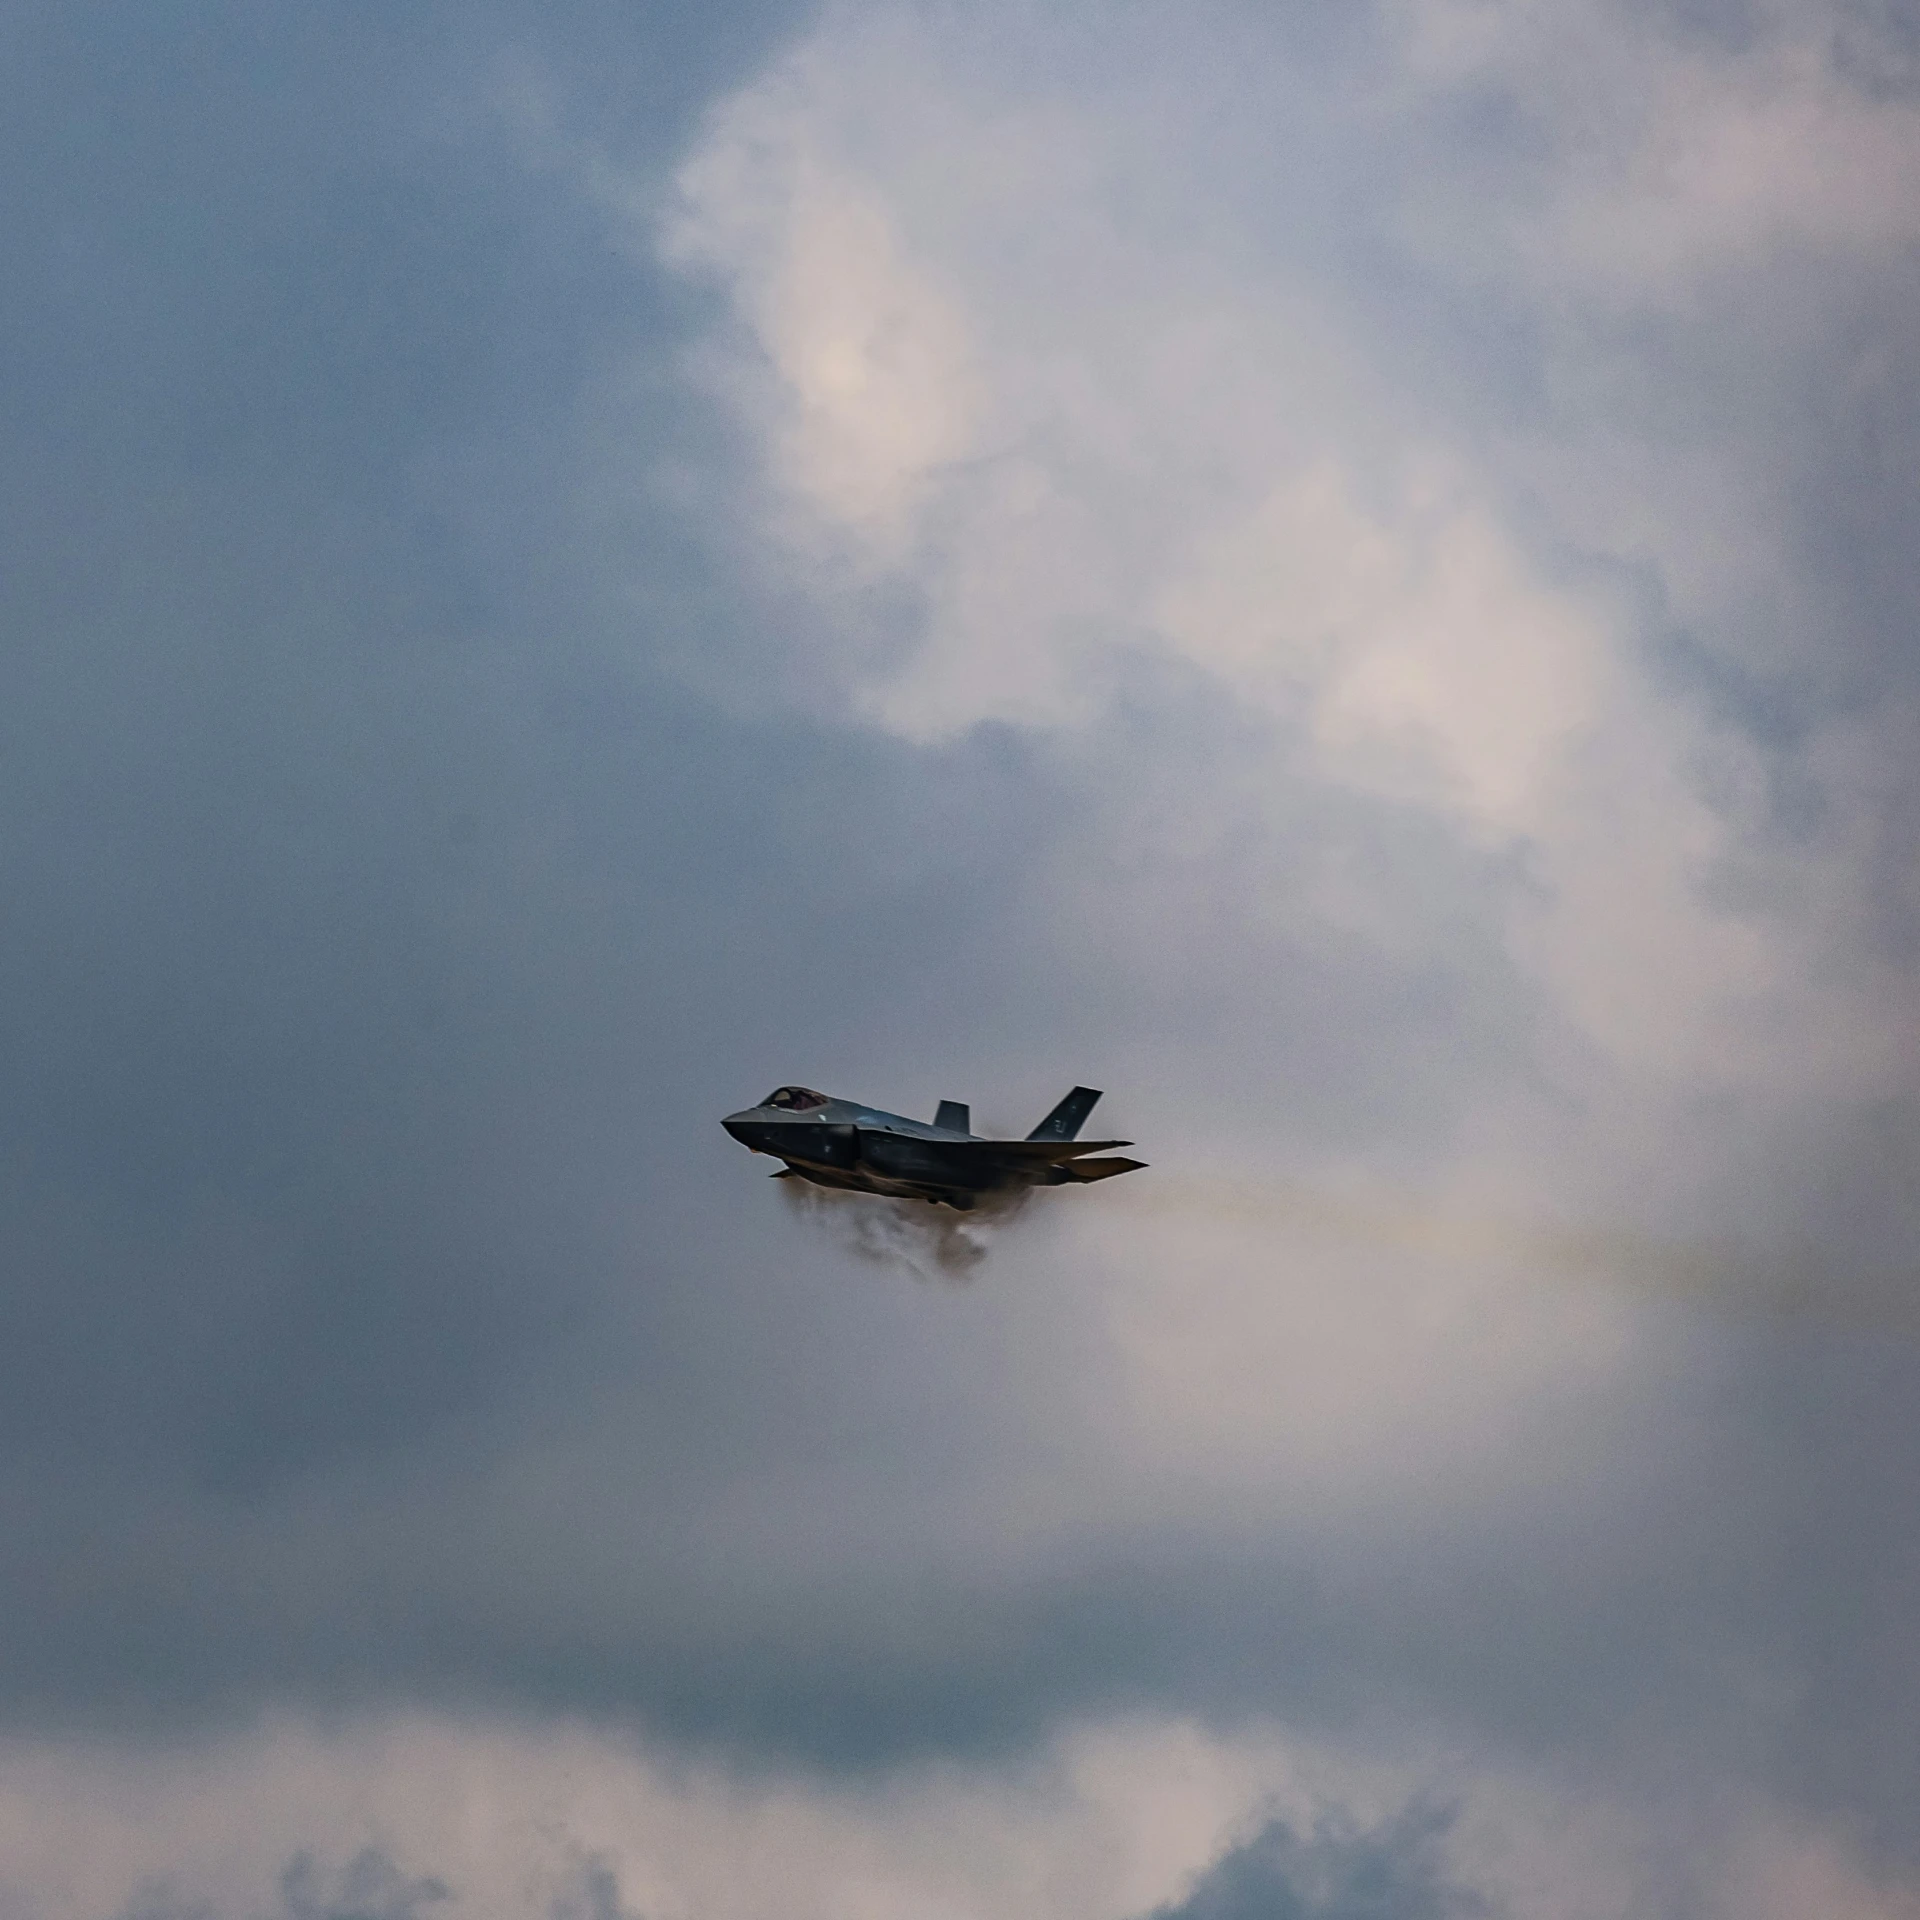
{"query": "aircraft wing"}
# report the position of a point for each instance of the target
(1036, 1153)
(880, 1145)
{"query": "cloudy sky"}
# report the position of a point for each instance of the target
(1345, 570)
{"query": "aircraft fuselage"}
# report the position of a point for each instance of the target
(837, 1143)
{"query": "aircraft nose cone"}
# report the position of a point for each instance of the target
(740, 1125)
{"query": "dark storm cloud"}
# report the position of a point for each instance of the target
(356, 901)
(367, 1887)
(371, 1886)
(312, 820)
(1337, 1872)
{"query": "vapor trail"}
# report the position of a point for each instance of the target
(1723, 1273)
(929, 1242)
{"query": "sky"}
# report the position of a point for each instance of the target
(1348, 573)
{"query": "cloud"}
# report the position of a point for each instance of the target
(1556, 606)
(368, 1887)
(595, 1895)
(1392, 1873)
(557, 1823)
(925, 1244)
(1681, 155)
(1224, 482)
(1131, 1817)
(1339, 573)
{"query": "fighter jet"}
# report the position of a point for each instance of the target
(834, 1143)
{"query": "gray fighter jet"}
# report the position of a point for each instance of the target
(834, 1143)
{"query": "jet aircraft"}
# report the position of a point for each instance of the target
(834, 1143)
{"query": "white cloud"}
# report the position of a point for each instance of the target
(1670, 159)
(984, 368)
(870, 358)
(1428, 659)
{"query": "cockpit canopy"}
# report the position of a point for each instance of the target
(795, 1099)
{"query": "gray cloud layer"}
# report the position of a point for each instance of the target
(1395, 1871)
(437, 783)
(368, 1887)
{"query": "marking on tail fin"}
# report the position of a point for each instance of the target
(1066, 1120)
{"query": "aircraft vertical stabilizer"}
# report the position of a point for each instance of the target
(1066, 1120)
(954, 1114)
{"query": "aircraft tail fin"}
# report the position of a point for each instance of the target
(954, 1114)
(1066, 1120)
